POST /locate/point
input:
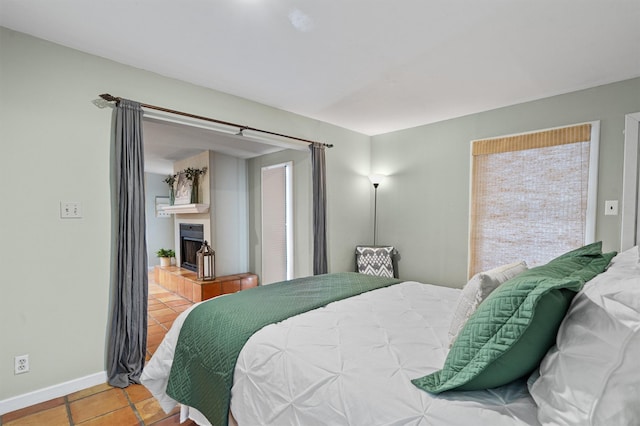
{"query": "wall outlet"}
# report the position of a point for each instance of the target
(70, 209)
(21, 364)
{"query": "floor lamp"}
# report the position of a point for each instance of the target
(375, 180)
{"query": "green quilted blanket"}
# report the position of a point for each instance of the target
(215, 332)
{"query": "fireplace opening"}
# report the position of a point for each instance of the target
(191, 239)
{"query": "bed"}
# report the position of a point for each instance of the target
(380, 357)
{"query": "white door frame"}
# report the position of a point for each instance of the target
(630, 221)
(288, 168)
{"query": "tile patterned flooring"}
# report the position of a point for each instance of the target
(104, 405)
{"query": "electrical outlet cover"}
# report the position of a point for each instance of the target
(21, 364)
(70, 209)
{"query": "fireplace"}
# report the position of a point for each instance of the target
(191, 239)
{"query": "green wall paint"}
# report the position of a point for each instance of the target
(424, 204)
(159, 229)
(56, 147)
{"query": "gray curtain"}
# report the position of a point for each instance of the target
(128, 332)
(318, 170)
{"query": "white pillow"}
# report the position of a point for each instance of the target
(591, 377)
(477, 289)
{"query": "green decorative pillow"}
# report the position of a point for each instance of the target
(589, 249)
(513, 328)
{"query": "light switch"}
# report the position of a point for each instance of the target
(611, 208)
(70, 209)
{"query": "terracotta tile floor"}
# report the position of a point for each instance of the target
(104, 405)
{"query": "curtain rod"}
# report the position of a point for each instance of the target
(109, 98)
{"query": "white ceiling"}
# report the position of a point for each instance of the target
(373, 66)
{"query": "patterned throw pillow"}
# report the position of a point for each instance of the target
(374, 260)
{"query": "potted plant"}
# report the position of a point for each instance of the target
(165, 256)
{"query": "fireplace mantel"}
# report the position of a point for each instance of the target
(186, 208)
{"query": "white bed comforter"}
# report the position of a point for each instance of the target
(351, 363)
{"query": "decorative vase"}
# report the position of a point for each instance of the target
(172, 196)
(194, 190)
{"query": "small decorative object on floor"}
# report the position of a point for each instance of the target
(170, 180)
(165, 256)
(205, 262)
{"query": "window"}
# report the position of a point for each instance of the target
(532, 195)
(277, 228)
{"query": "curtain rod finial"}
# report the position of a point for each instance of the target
(107, 97)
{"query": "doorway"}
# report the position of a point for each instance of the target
(630, 221)
(277, 224)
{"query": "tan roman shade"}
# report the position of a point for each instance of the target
(564, 135)
(529, 196)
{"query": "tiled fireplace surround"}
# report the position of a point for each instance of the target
(185, 283)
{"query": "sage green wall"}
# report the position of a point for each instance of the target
(56, 147)
(424, 203)
(159, 229)
(229, 213)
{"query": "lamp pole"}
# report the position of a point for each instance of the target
(375, 180)
(375, 211)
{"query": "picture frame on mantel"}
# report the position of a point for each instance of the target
(183, 190)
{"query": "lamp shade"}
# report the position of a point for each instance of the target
(376, 179)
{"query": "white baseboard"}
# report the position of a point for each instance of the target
(41, 395)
